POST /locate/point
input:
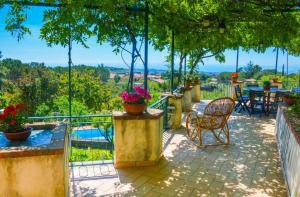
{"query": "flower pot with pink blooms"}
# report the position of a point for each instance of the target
(134, 102)
(12, 123)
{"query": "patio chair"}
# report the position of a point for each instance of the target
(257, 101)
(274, 101)
(242, 100)
(214, 119)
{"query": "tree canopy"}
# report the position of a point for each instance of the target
(200, 26)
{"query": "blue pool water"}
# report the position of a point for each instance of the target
(37, 138)
(90, 134)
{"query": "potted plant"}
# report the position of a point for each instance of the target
(196, 80)
(12, 123)
(291, 99)
(234, 77)
(134, 102)
(267, 85)
(188, 80)
(275, 79)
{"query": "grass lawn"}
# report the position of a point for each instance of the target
(90, 154)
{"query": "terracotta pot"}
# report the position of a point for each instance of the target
(18, 135)
(289, 100)
(267, 88)
(234, 79)
(135, 109)
(275, 80)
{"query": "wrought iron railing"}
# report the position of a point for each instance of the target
(214, 90)
(162, 104)
(91, 136)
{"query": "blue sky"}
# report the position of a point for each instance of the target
(33, 49)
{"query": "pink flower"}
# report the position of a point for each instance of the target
(124, 95)
(148, 97)
(141, 91)
(133, 97)
(139, 95)
(130, 97)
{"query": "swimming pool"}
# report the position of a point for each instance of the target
(97, 134)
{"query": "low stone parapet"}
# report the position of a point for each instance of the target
(32, 168)
(289, 150)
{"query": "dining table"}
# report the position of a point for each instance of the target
(261, 89)
(266, 100)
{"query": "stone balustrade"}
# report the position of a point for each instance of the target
(289, 149)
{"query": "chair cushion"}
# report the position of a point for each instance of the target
(210, 122)
(245, 97)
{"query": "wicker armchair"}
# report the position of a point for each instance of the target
(214, 119)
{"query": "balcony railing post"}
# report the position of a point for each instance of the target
(166, 113)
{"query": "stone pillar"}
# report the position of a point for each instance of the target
(138, 139)
(232, 88)
(176, 101)
(196, 96)
(193, 92)
(187, 100)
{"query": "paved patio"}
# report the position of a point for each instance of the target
(250, 166)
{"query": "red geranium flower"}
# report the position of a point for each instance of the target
(13, 118)
(9, 109)
(234, 74)
(2, 116)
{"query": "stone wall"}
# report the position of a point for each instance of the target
(289, 150)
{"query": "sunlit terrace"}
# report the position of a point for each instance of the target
(250, 166)
(96, 130)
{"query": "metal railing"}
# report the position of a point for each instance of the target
(288, 84)
(214, 90)
(91, 136)
(162, 104)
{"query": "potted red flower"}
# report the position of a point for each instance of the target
(12, 123)
(134, 102)
(234, 77)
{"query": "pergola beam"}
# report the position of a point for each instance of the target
(41, 4)
(172, 61)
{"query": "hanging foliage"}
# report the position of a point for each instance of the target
(198, 25)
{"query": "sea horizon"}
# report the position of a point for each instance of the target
(208, 68)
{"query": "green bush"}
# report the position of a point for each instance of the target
(89, 154)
